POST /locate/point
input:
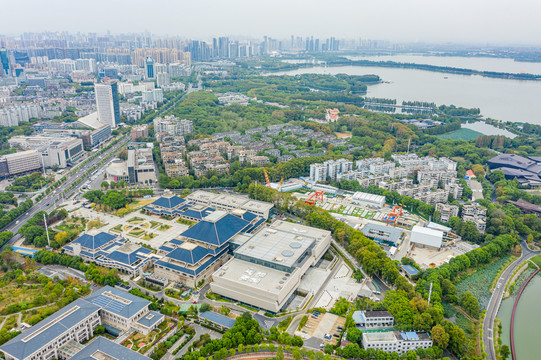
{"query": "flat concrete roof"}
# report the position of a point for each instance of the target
(277, 246)
(380, 336)
(253, 275)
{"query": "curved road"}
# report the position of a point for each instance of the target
(496, 299)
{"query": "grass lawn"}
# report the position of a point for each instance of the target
(72, 223)
(463, 133)
(148, 236)
(154, 224)
(16, 295)
(536, 260)
(136, 232)
(33, 316)
(117, 229)
(11, 322)
(95, 224)
(138, 204)
(185, 222)
(164, 227)
(135, 219)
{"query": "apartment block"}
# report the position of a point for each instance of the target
(446, 211)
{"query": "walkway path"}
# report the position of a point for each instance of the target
(514, 357)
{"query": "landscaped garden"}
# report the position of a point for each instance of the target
(142, 343)
(136, 232)
(148, 236)
(117, 229)
(164, 227)
(72, 223)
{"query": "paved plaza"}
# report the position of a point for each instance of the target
(127, 226)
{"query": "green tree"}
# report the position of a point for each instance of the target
(354, 335)
(439, 336)
(505, 352)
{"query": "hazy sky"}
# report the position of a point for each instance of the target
(471, 21)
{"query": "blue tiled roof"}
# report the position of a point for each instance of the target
(185, 270)
(117, 307)
(176, 241)
(86, 253)
(151, 318)
(410, 270)
(94, 241)
(249, 216)
(126, 258)
(216, 233)
(218, 319)
(165, 248)
(188, 256)
(254, 226)
(195, 214)
(115, 351)
(47, 330)
(168, 203)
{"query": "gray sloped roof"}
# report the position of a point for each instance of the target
(127, 309)
(23, 345)
(107, 347)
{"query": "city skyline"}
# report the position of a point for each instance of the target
(465, 22)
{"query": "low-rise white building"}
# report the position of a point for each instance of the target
(231, 202)
(396, 341)
(426, 237)
(373, 319)
(366, 199)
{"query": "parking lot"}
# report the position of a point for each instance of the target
(323, 327)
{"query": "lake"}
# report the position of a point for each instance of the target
(502, 99)
(527, 321)
(475, 63)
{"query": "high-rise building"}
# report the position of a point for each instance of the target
(149, 68)
(4, 62)
(107, 103)
(162, 79)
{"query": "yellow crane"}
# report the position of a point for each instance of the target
(266, 177)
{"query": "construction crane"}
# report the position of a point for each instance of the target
(266, 177)
(317, 196)
(280, 184)
(396, 211)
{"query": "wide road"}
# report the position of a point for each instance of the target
(54, 197)
(50, 200)
(496, 299)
